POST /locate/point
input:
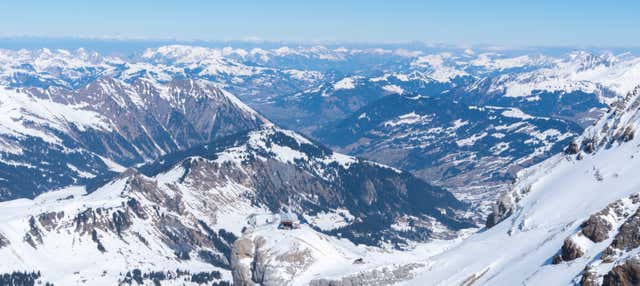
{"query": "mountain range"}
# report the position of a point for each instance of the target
(451, 167)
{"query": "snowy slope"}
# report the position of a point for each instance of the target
(306, 257)
(557, 196)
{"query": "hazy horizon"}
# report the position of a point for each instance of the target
(503, 23)
(133, 45)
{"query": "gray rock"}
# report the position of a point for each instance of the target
(596, 228)
(242, 273)
(573, 148)
(628, 237)
(253, 264)
(501, 209)
(625, 274)
(570, 250)
(589, 277)
(3, 241)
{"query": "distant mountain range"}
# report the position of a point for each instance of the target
(322, 92)
(170, 164)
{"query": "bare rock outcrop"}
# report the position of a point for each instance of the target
(3, 241)
(596, 228)
(589, 277)
(242, 257)
(253, 263)
(599, 226)
(504, 206)
(573, 148)
(625, 274)
(257, 261)
(501, 210)
(570, 250)
(34, 235)
(628, 238)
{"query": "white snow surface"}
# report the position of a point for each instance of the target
(22, 113)
(392, 88)
(345, 83)
(516, 113)
(564, 192)
(580, 71)
(286, 154)
(438, 66)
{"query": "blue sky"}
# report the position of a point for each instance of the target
(514, 23)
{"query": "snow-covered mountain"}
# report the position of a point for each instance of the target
(53, 137)
(185, 210)
(411, 128)
(150, 163)
(579, 71)
(159, 177)
(570, 220)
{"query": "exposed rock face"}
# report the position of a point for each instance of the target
(596, 228)
(627, 134)
(183, 237)
(243, 252)
(34, 235)
(589, 277)
(503, 207)
(3, 241)
(152, 119)
(615, 129)
(501, 210)
(573, 148)
(260, 261)
(133, 218)
(621, 217)
(626, 274)
(628, 237)
(571, 250)
(589, 144)
(265, 255)
(49, 219)
(252, 263)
